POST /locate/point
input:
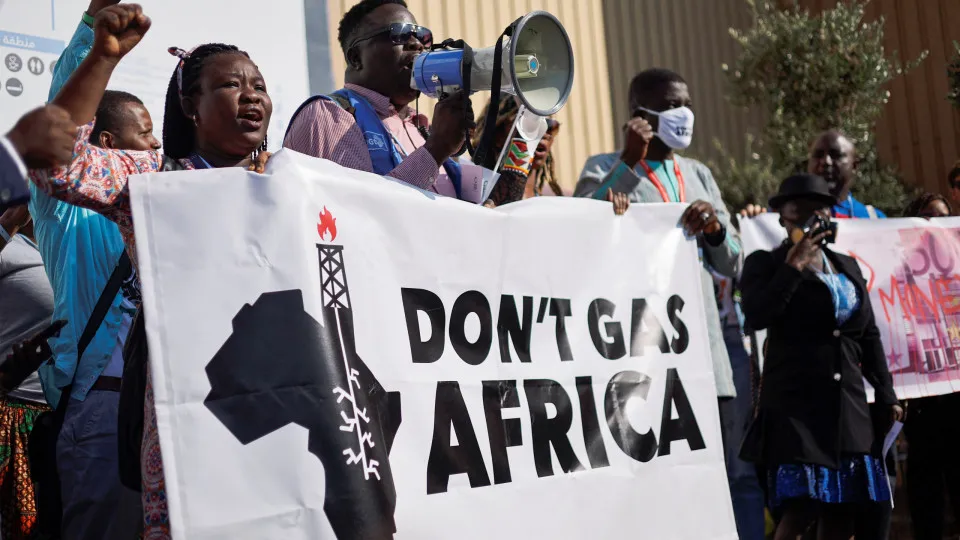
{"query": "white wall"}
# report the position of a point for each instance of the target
(275, 39)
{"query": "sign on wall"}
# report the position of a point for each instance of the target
(33, 34)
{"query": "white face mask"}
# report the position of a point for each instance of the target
(676, 126)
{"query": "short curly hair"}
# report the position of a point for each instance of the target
(919, 204)
(353, 18)
(953, 177)
(112, 112)
(650, 80)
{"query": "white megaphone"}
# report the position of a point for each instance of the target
(536, 65)
(528, 126)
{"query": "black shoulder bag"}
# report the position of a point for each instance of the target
(133, 392)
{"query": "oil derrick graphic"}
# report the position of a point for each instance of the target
(281, 366)
(333, 277)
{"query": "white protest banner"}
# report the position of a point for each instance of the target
(336, 355)
(911, 267)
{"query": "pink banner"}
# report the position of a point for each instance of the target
(912, 268)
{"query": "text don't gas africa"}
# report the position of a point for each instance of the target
(455, 447)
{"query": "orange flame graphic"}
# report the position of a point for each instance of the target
(328, 224)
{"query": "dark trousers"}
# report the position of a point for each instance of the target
(933, 466)
(95, 505)
(873, 521)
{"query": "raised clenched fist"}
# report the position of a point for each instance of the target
(637, 135)
(119, 29)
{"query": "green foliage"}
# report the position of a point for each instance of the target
(953, 77)
(746, 179)
(808, 74)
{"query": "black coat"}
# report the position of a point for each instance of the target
(812, 406)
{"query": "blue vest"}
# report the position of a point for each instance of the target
(384, 154)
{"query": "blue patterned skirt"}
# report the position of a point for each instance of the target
(860, 478)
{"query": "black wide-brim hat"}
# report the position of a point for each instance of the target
(802, 186)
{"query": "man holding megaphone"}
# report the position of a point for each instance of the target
(368, 125)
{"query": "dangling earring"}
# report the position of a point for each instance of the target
(196, 120)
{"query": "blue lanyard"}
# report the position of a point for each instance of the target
(831, 280)
(198, 162)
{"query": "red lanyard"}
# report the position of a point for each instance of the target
(656, 181)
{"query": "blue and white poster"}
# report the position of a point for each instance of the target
(33, 33)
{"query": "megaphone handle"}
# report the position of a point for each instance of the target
(467, 145)
(490, 122)
(466, 70)
(506, 143)
(503, 153)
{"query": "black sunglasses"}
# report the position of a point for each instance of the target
(400, 34)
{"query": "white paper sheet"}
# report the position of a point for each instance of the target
(887, 444)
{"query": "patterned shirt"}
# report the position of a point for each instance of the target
(324, 130)
(97, 178)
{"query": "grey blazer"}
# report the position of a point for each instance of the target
(606, 171)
